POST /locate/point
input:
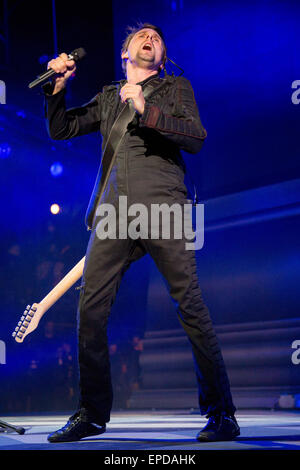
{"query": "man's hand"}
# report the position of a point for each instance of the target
(135, 93)
(64, 69)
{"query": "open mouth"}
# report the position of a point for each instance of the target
(147, 47)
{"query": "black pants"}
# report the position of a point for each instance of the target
(106, 262)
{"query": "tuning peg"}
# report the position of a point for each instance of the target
(32, 311)
(19, 335)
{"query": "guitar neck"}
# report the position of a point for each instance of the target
(64, 285)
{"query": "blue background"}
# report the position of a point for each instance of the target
(241, 58)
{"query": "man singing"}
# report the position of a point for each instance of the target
(148, 169)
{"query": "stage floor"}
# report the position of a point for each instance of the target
(160, 431)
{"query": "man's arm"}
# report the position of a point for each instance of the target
(183, 126)
(65, 124)
(62, 123)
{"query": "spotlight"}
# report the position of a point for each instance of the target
(21, 114)
(5, 150)
(55, 209)
(56, 169)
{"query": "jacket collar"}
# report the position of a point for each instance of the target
(143, 82)
(148, 79)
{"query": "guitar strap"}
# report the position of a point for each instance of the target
(114, 140)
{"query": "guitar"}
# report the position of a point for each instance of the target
(33, 313)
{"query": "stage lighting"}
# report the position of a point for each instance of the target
(55, 209)
(21, 114)
(5, 150)
(56, 169)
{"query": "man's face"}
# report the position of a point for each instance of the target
(146, 49)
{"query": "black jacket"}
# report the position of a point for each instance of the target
(170, 123)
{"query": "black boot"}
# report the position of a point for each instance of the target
(78, 426)
(220, 427)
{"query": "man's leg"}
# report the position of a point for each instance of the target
(178, 267)
(106, 263)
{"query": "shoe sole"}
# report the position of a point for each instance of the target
(207, 438)
(58, 440)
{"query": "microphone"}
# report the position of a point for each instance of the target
(76, 55)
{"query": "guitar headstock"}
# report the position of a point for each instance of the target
(28, 322)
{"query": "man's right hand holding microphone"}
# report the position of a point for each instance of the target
(64, 69)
